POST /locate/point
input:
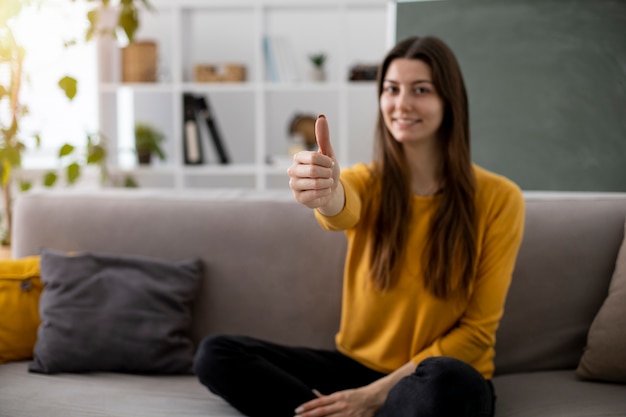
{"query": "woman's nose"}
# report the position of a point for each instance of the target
(404, 101)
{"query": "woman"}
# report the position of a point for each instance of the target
(432, 242)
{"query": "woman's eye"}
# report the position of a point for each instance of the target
(421, 90)
(391, 89)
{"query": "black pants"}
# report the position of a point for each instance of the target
(264, 379)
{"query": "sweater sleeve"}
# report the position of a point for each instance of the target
(353, 181)
(475, 332)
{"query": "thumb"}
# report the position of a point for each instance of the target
(322, 136)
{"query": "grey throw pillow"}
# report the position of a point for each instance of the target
(604, 358)
(102, 312)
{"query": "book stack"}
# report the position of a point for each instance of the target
(200, 127)
(280, 59)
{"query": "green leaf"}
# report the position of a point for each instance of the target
(65, 150)
(89, 34)
(128, 21)
(50, 179)
(129, 182)
(73, 172)
(92, 17)
(96, 154)
(25, 185)
(12, 154)
(38, 140)
(68, 85)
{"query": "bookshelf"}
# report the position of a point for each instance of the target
(253, 116)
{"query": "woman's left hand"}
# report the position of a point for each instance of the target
(358, 402)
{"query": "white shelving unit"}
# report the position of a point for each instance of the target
(252, 116)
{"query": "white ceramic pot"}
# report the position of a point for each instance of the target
(317, 74)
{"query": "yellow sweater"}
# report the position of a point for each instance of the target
(385, 330)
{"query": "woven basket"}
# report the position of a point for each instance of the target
(219, 73)
(139, 62)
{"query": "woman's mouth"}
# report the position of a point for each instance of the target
(404, 123)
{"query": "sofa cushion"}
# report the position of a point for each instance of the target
(105, 394)
(604, 357)
(20, 288)
(115, 313)
(556, 394)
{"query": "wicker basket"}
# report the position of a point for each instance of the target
(139, 62)
(219, 73)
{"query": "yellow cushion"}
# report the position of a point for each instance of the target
(20, 288)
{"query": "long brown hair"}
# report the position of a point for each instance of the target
(451, 246)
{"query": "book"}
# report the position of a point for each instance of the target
(206, 114)
(192, 143)
(270, 59)
(280, 59)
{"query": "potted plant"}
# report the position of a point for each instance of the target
(147, 142)
(317, 72)
(12, 56)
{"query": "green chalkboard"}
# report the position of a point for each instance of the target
(547, 85)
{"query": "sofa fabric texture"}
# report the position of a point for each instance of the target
(271, 272)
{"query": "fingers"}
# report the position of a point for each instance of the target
(324, 405)
(311, 178)
(314, 176)
(322, 135)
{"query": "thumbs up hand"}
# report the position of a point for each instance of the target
(314, 176)
(322, 135)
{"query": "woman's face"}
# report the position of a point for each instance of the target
(411, 107)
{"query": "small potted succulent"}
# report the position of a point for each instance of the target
(317, 71)
(148, 141)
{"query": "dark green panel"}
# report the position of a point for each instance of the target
(547, 85)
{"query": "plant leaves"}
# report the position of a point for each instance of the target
(12, 154)
(69, 86)
(50, 179)
(65, 150)
(129, 182)
(96, 154)
(128, 20)
(92, 17)
(73, 172)
(25, 185)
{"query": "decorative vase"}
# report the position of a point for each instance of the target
(318, 74)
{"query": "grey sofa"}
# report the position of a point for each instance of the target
(271, 272)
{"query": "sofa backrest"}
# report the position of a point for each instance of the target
(561, 279)
(272, 272)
